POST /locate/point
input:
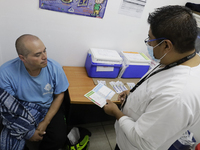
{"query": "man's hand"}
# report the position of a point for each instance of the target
(112, 109)
(42, 126)
(122, 96)
(37, 136)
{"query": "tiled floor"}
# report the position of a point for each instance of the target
(102, 138)
(103, 135)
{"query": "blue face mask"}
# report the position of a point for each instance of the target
(150, 51)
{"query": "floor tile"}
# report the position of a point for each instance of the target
(110, 133)
(98, 140)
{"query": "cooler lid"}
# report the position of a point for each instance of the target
(105, 56)
(135, 57)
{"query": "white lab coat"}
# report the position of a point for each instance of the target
(160, 110)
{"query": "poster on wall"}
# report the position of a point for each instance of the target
(91, 8)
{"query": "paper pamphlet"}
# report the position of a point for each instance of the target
(100, 94)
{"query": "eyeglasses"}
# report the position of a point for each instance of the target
(146, 41)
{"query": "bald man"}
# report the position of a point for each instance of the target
(33, 79)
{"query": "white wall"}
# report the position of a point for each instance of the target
(1, 59)
(69, 37)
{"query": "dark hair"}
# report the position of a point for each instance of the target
(175, 23)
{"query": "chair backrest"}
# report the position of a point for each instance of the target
(66, 105)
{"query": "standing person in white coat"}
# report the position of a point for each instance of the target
(166, 101)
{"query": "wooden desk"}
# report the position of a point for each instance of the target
(80, 84)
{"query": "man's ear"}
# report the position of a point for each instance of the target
(168, 46)
(22, 58)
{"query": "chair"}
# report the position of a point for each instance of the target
(66, 107)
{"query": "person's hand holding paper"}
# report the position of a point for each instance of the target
(112, 109)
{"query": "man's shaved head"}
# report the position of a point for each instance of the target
(20, 43)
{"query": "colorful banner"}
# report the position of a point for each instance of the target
(92, 8)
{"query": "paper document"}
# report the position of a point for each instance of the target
(100, 94)
(133, 8)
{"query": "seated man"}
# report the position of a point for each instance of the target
(31, 92)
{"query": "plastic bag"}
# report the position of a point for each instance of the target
(187, 139)
(185, 142)
(78, 139)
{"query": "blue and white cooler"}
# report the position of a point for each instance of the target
(135, 64)
(103, 63)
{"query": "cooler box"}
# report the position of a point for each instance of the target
(103, 63)
(135, 64)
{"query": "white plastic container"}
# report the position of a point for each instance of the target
(105, 56)
(135, 64)
(103, 63)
